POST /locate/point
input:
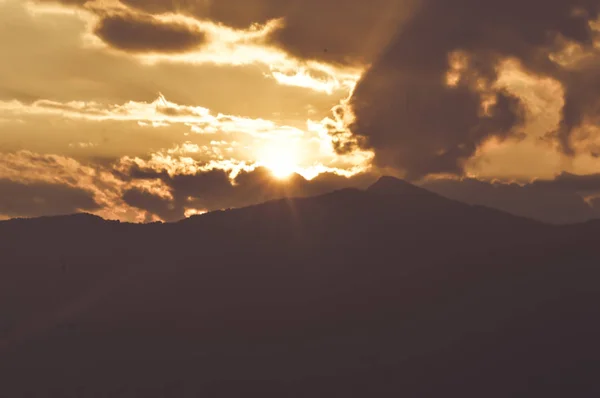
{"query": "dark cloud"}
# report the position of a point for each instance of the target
(556, 201)
(348, 32)
(342, 31)
(43, 199)
(404, 109)
(573, 182)
(212, 190)
(152, 204)
(143, 33)
(561, 200)
(582, 101)
(135, 31)
(425, 127)
(407, 112)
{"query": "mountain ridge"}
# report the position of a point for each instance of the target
(385, 185)
(351, 293)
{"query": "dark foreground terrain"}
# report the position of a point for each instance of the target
(388, 292)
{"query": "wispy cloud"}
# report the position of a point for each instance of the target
(175, 38)
(157, 113)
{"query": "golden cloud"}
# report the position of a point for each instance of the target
(157, 113)
(26, 167)
(316, 148)
(176, 38)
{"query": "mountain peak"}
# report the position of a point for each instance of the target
(394, 186)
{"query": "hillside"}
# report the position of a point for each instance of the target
(389, 291)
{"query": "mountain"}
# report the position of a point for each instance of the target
(557, 202)
(389, 291)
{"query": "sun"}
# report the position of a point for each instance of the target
(281, 159)
(281, 166)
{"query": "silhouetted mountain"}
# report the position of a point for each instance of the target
(559, 201)
(390, 291)
(395, 186)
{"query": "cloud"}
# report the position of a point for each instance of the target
(155, 207)
(158, 113)
(214, 189)
(208, 76)
(431, 98)
(571, 182)
(162, 186)
(144, 33)
(249, 142)
(193, 187)
(567, 198)
(43, 199)
(456, 88)
(90, 187)
(345, 32)
(169, 32)
(171, 188)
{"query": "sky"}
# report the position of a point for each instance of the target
(155, 110)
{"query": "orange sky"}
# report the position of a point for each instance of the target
(100, 86)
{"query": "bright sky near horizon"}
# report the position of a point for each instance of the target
(153, 110)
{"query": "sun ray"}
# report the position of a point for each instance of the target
(280, 157)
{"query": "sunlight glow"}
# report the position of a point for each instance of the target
(194, 212)
(281, 157)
